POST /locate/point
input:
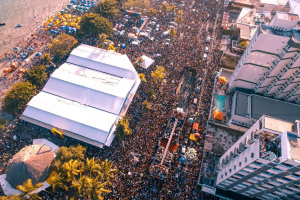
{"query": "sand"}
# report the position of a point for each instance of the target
(29, 13)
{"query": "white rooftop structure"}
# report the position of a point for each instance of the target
(85, 97)
(147, 62)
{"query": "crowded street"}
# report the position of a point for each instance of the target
(189, 76)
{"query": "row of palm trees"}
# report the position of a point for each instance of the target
(90, 179)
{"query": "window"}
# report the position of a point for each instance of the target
(225, 173)
(252, 155)
(240, 163)
(287, 165)
(245, 159)
(230, 170)
(234, 167)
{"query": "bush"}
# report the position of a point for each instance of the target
(16, 99)
(3, 123)
(107, 8)
(61, 45)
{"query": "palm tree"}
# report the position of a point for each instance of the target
(72, 169)
(179, 20)
(106, 170)
(82, 185)
(173, 9)
(139, 61)
(180, 12)
(165, 7)
(101, 40)
(92, 166)
(47, 59)
(27, 188)
(97, 189)
(158, 74)
(172, 32)
(143, 77)
(146, 105)
(58, 182)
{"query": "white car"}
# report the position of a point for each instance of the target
(205, 56)
(122, 33)
(208, 39)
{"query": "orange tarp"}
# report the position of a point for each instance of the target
(196, 126)
(218, 115)
(222, 79)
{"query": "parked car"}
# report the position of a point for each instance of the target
(122, 33)
(157, 27)
(205, 56)
(208, 39)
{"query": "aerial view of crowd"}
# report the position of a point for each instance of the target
(183, 54)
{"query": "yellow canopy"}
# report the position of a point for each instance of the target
(71, 24)
(218, 115)
(57, 22)
(222, 79)
(192, 137)
(65, 23)
(57, 13)
(50, 20)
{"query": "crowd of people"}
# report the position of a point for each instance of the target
(184, 53)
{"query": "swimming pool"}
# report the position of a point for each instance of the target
(220, 102)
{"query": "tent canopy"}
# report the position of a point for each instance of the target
(222, 79)
(218, 115)
(147, 62)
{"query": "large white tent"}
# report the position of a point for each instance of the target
(85, 97)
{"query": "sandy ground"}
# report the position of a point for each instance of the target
(29, 13)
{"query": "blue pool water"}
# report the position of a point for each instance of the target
(220, 102)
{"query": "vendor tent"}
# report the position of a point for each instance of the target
(147, 62)
(218, 115)
(222, 79)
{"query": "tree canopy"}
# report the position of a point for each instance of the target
(107, 8)
(137, 5)
(158, 74)
(3, 123)
(93, 24)
(65, 154)
(37, 75)
(27, 188)
(18, 96)
(122, 129)
(14, 197)
(61, 45)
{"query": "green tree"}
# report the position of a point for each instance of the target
(179, 20)
(97, 188)
(165, 7)
(172, 32)
(102, 40)
(158, 74)
(14, 197)
(3, 123)
(106, 170)
(146, 105)
(122, 129)
(137, 5)
(94, 25)
(71, 169)
(18, 96)
(37, 75)
(27, 188)
(172, 9)
(91, 166)
(107, 8)
(151, 12)
(46, 58)
(58, 181)
(139, 61)
(82, 185)
(151, 93)
(142, 77)
(65, 154)
(61, 45)
(180, 12)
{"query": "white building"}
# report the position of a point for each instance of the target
(270, 64)
(265, 162)
(85, 97)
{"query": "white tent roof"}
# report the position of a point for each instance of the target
(97, 89)
(147, 62)
(69, 115)
(103, 60)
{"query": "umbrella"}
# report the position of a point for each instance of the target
(51, 24)
(63, 27)
(181, 160)
(123, 46)
(16, 48)
(190, 120)
(38, 54)
(222, 79)
(218, 115)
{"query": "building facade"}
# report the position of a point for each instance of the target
(265, 162)
(270, 64)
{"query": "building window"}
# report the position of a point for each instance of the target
(252, 155)
(229, 170)
(245, 159)
(234, 167)
(240, 163)
(225, 173)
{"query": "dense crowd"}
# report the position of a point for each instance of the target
(184, 53)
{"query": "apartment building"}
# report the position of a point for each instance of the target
(270, 64)
(265, 162)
